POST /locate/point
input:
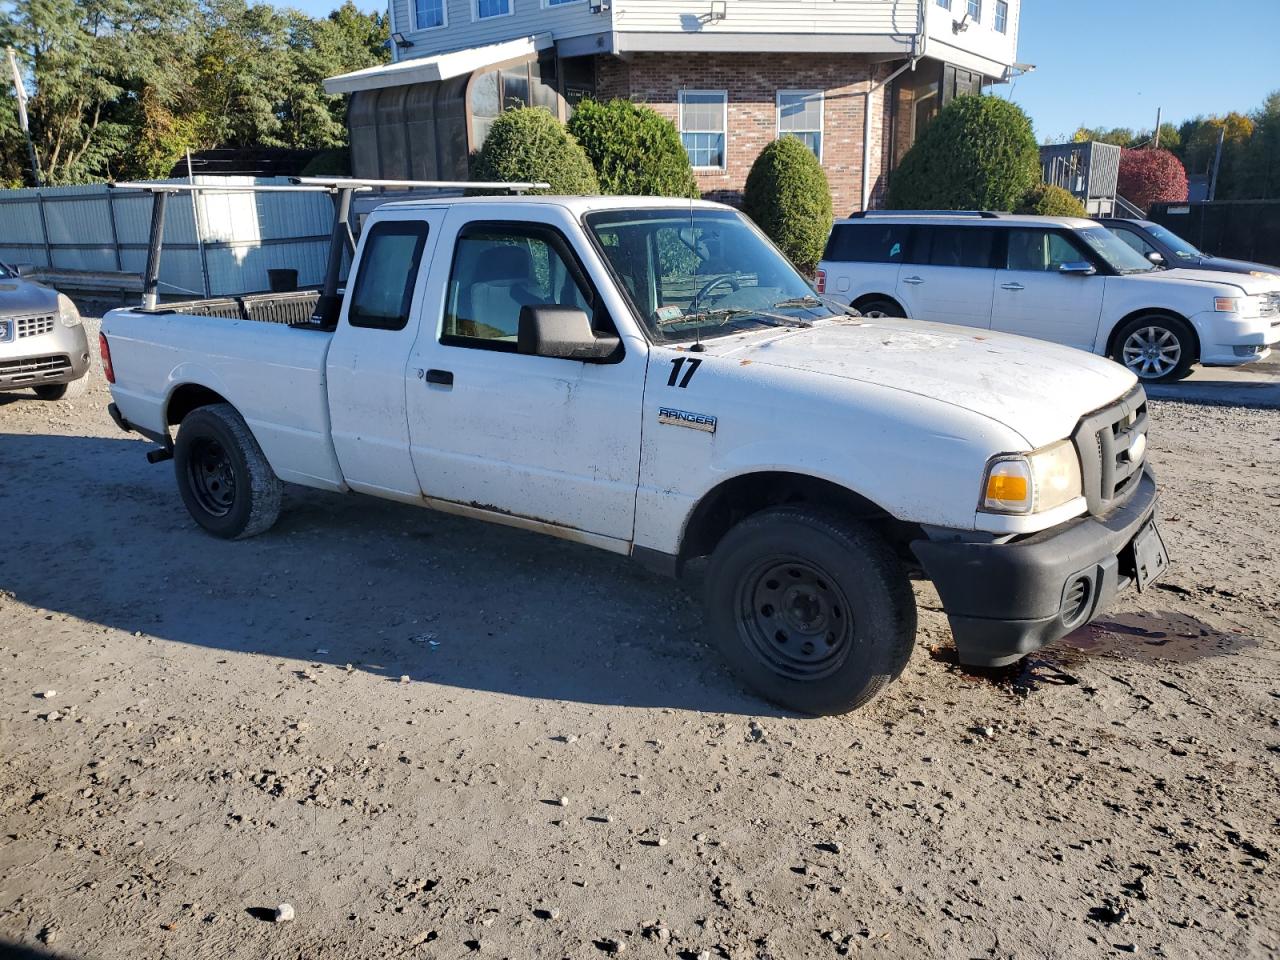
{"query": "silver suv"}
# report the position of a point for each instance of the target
(42, 342)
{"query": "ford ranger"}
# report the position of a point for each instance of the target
(653, 378)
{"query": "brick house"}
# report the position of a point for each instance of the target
(857, 80)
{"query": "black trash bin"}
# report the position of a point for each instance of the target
(282, 280)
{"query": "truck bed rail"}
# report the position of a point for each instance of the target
(293, 307)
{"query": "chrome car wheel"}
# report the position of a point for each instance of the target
(1152, 351)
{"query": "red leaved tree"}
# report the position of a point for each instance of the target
(1151, 176)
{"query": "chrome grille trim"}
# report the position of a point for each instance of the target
(33, 326)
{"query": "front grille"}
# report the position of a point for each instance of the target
(1112, 443)
(33, 326)
(33, 368)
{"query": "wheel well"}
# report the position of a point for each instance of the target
(1148, 312)
(739, 497)
(188, 397)
(868, 298)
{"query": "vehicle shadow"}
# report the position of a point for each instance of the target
(391, 590)
(9, 950)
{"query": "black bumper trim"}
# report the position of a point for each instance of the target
(163, 439)
(1005, 600)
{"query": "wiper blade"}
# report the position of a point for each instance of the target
(729, 313)
(808, 301)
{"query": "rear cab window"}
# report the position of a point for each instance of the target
(386, 275)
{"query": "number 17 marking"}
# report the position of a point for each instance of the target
(676, 364)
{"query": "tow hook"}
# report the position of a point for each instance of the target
(159, 455)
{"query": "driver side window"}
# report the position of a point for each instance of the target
(497, 270)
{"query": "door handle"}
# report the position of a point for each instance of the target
(1012, 286)
(913, 280)
(442, 377)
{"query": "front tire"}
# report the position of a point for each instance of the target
(810, 609)
(51, 391)
(1156, 348)
(225, 480)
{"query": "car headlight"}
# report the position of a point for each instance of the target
(1245, 306)
(1263, 274)
(1032, 482)
(67, 311)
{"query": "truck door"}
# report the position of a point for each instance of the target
(366, 365)
(1034, 298)
(543, 439)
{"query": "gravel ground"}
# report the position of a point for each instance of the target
(435, 738)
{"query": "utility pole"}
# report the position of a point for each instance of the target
(1217, 162)
(20, 90)
(1157, 138)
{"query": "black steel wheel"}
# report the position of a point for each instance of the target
(795, 618)
(223, 476)
(811, 609)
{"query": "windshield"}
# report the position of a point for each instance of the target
(5, 271)
(694, 273)
(1170, 239)
(1119, 255)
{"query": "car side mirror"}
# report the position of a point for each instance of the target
(564, 333)
(24, 269)
(1080, 268)
(1156, 257)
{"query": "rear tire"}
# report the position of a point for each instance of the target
(225, 480)
(1156, 348)
(810, 609)
(877, 307)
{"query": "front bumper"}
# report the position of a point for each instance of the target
(1005, 600)
(1228, 340)
(60, 356)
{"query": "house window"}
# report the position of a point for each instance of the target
(975, 11)
(556, 3)
(428, 14)
(492, 8)
(703, 119)
(800, 116)
(945, 4)
(1002, 16)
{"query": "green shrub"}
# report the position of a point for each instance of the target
(978, 154)
(787, 196)
(634, 149)
(1047, 200)
(530, 144)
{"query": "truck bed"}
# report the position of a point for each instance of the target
(293, 307)
(241, 349)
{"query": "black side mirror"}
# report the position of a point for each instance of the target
(564, 333)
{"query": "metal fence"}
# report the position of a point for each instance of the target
(215, 243)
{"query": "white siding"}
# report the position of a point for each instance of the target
(891, 17)
(529, 17)
(980, 46)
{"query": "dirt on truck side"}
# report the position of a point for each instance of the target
(436, 738)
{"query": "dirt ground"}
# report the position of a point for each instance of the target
(435, 738)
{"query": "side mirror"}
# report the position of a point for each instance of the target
(562, 332)
(1080, 268)
(1156, 257)
(24, 269)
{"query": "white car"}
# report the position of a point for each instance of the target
(656, 380)
(1062, 279)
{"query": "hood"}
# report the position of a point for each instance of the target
(1038, 389)
(1243, 280)
(1237, 266)
(20, 297)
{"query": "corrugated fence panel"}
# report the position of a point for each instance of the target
(242, 234)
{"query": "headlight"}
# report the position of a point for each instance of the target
(67, 311)
(1245, 306)
(1264, 275)
(1032, 482)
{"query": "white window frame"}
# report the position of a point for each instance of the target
(822, 116)
(413, 17)
(974, 15)
(1001, 23)
(475, 11)
(724, 131)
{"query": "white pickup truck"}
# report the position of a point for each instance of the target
(653, 378)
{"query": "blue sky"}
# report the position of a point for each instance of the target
(1111, 63)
